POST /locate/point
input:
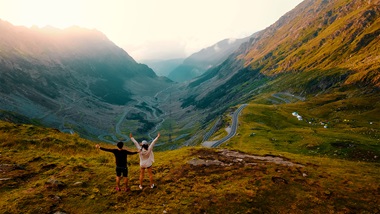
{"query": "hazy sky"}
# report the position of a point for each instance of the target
(152, 29)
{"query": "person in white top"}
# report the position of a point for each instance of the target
(146, 158)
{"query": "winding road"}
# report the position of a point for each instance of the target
(150, 101)
(212, 130)
(236, 115)
(234, 126)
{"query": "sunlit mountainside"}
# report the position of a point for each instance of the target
(323, 35)
(307, 140)
(257, 71)
(329, 42)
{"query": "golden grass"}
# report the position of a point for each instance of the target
(330, 182)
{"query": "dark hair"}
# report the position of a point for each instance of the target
(120, 145)
(145, 146)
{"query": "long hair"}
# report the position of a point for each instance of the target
(145, 146)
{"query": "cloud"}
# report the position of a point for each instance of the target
(158, 50)
(216, 48)
(231, 40)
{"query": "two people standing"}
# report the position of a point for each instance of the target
(146, 160)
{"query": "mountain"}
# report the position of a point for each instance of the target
(284, 63)
(298, 56)
(315, 48)
(321, 35)
(205, 59)
(276, 163)
(163, 67)
(69, 78)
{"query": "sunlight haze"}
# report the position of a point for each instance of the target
(151, 29)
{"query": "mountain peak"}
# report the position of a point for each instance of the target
(207, 58)
(53, 64)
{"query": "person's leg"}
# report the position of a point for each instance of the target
(126, 183)
(117, 183)
(142, 171)
(118, 177)
(150, 175)
(125, 175)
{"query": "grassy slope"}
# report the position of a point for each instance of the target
(352, 137)
(341, 161)
(322, 35)
(335, 179)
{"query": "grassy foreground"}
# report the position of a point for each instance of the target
(45, 171)
(338, 141)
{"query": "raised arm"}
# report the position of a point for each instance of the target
(132, 152)
(154, 142)
(135, 142)
(104, 149)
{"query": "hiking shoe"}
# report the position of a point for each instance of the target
(127, 190)
(140, 186)
(152, 186)
(117, 189)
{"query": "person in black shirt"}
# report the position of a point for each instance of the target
(121, 163)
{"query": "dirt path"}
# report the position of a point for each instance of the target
(226, 157)
(287, 97)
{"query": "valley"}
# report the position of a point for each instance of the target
(150, 110)
(286, 121)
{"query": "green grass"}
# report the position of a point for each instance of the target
(352, 133)
(339, 173)
(341, 160)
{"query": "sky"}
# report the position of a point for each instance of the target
(152, 29)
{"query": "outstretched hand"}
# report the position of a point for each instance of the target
(97, 146)
(158, 134)
(130, 135)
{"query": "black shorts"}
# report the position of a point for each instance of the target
(146, 167)
(121, 170)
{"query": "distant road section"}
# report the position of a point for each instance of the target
(212, 131)
(234, 126)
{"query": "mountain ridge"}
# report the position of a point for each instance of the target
(163, 67)
(256, 72)
(207, 58)
(294, 44)
(319, 29)
(333, 149)
(55, 75)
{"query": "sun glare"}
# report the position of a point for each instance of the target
(188, 24)
(60, 14)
